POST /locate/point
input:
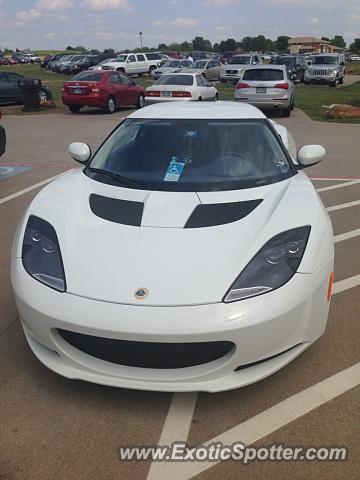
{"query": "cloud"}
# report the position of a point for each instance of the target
(355, 14)
(314, 21)
(41, 8)
(53, 5)
(184, 22)
(218, 3)
(107, 5)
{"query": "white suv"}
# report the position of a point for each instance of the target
(134, 63)
(234, 69)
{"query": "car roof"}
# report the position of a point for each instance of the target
(270, 66)
(199, 110)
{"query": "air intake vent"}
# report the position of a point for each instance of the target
(118, 211)
(212, 214)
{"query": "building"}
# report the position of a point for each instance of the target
(310, 45)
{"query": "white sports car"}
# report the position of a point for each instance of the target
(190, 253)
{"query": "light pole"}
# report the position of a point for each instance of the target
(140, 35)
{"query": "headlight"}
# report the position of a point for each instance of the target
(41, 254)
(273, 266)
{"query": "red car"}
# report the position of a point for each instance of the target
(12, 61)
(108, 90)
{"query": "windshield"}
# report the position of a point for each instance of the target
(172, 63)
(175, 80)
(192, 155)
(239, 61)
(288, 61)
(198, 64)
(120, 58)
(325, 60)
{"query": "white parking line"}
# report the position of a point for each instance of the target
(347, 235)
(346, 284)
(338, 185)
(28, 189)
(343, 205)
(180, 414)
(267, 422)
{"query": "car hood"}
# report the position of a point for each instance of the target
(109, 260)
(193, 70)
(324, 66)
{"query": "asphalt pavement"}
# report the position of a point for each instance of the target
(54, 428)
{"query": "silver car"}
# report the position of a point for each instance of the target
(234, 69)
(267, 87)
(172, 66)
(327, 68)
(209, 68)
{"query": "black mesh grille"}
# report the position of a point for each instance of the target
(147, 354)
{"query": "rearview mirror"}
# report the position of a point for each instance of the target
(80, 152)
(310, 155)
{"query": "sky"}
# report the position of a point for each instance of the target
(54, 24)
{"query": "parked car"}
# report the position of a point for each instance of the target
(49, 60)
(12, 61)
(67, 66)
(181, 86)
(4, 61)
(199, 230)
(10, 91)
(170, 54)
(32, 57)
(354, 58)
(172, 66)
(267, 87)
(2, 139)
(99, 65)
(295, 64)
(87, 62)
(107, 90)
(131, 63)
(225, 56)
(234, 69)
(209, 68)
(327, 69)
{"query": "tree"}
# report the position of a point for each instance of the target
(247, 44)
(338, 41)
(282, 43)
(228, 45)
(186, 47)
(80, 48)
(70, 48)
(109, 51)
(326, 39)
(201, 44)
(175, 47)
(216, 47)
(355, 46)
(163, 46)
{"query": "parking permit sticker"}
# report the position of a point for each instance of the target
(174, 171)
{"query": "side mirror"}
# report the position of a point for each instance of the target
(2, 140)
(80, 152)
(310, 155)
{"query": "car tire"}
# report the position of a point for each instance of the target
(140, 101)
(110, 106)
(199, 99)
(151, 69)
(341, 80)
(292, 106)
(74, 108)
(216, 98)
(287, 112)
(121, 70)
(334, 84)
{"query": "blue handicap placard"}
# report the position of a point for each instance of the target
(174, 171)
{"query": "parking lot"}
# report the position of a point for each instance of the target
(54, 428)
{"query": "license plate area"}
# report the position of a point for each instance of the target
(166, 94)
(77, 91)
(261, 90)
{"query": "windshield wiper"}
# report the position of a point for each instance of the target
(118, 178)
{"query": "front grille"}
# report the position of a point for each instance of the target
(319, 73)
(232, 72)
(148, 354)
(259, 362)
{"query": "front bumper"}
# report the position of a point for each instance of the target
(320, 78)
(268, 332)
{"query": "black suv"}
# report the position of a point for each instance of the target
(295, 65)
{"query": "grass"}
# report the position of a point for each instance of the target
(353, 68)
(310, 99)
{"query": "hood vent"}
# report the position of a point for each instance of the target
(115, 210)
(213, 214)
